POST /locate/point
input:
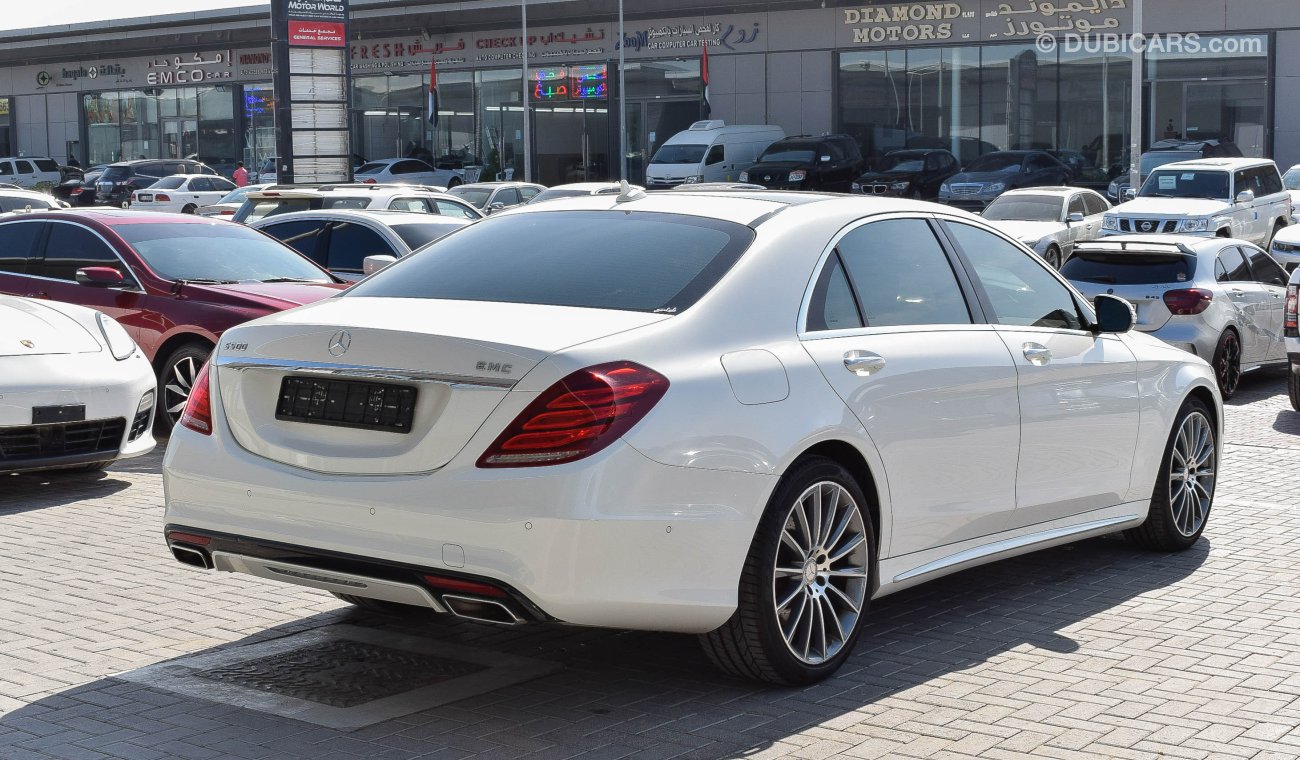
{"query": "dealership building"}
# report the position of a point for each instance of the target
(970, 75)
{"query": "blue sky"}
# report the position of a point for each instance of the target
(20, 15)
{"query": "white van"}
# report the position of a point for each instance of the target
(30, 173)
(708, 151)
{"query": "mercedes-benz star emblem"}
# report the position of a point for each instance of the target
(340, 343)
(27, 343)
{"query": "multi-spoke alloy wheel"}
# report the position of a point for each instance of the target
(1191, 474)
(176, 380)
(1227, 364)
(1184, 491)
(820, 579)
(806, 583)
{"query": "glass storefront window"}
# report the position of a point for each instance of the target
(259, 131)
(975, 100)
(1221, 96)
(6, 146)
(502, 122)
(216, 135)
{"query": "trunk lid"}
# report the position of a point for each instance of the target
(30, 329)
(1140, 277)
(387, 386)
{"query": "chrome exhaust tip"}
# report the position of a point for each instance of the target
(481, 610)
(189, 556)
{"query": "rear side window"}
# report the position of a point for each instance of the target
(1231, 266)
(252, 210)
(419, 235)
(1115, 268)
(25, 167)
(71, 247)
(1094, 204)
(409, 204)
(447, 208)
(6, 169)
(1265, 268)
(345, 203)
(304, 237)
(17, 246)
(527, 193)
(833, 306)
(638, 261)
(200, 185)
(901, 275)
(170, 183)
(10, 203)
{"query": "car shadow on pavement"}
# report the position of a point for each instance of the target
(624, 691)
(21, 492)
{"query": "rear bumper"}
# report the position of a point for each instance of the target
(1197, 339)
(615, 541)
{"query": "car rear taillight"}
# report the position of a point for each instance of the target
(368, 181)
(1290, 324)
(198, 408)
(77, 190)
(227, 212)
(578, 416)
(163, 198)
(1188, 300)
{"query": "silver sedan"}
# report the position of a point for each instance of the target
(1049, 220)
(1218, 298)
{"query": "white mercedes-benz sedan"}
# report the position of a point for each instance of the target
(75, 391)
(743, 415)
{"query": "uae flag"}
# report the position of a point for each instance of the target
(705, 108)
(433, 91)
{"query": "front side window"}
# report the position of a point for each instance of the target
(715, 156)
(661, 263)
(508, 196)
(351, 243)
(1019, 289)
(71, 247)
(1265, 269)
(901, 275)
(1076, 205)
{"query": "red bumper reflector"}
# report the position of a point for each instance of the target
(463, 586)
(188, 538)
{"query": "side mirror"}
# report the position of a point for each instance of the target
(1114, 314)
(495, 207)
(1130, 194)
(1246, 196)
(1074, 218)
(99, 277)
(372, 264)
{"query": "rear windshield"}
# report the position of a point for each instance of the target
(996, 162)
(252, 210)
(1115, 268)
(637, 261)
(552, 194)
(371, 168)
(1155, 159)
(116, 173)
(168, 183)
(1029, 208)
(1292, 178)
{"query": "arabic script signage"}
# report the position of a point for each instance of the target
(194, 68)
(570, 83)
(970, 21)
(317, 23)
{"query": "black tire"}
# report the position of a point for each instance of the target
(1053, 256)
(752, 643)
(1224, 233)
(190, 209)
(1167, 529)
(1293, 386)
(1278, 226)
(187, 359)
(453, 182)
(1227, 363)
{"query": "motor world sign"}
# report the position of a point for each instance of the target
(317, 23)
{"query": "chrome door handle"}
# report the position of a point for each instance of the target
(1037, 354)
(863, 363)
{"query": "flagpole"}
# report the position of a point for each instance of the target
(622, 99)
(528, 132)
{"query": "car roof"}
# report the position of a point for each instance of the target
(1226, 164)
(1060, 190)
(109, 216)
(360, 190)
(747, 207)
(384, 216)
(499, 183)
(592, 186)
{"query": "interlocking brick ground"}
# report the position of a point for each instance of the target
(1094, 650)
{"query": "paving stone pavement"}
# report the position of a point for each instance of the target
(1095, 650)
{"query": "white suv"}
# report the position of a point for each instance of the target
(282, 199)
(30, 173)
(1291, 331)
(1239, 198)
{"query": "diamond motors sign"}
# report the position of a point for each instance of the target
(313, 88)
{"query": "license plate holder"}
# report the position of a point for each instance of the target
(336, 402)
(44, 415)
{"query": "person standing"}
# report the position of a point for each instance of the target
(241, 175)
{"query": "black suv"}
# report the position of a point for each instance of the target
(908, 174)
(829, 162)
(119, 180)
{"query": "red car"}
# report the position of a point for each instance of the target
(174, 282)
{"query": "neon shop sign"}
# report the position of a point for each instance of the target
(571, 83)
